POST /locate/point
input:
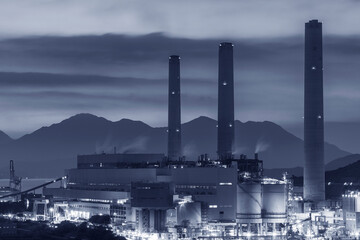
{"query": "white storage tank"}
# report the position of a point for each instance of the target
(249, 202)
(274, 200)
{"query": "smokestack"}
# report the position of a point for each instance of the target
(12, 170)
(314, 173)
(174, 111)
(225, 101)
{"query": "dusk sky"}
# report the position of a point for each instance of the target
(110, 58)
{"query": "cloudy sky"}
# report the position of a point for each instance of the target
(109, 58)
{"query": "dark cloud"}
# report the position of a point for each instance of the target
(120, 76)
(200, 19)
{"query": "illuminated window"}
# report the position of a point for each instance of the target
(224, 83)
(212, 206)
(225, 184)
(313, 68)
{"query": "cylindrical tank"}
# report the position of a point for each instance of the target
(249, 200)
(274, 200)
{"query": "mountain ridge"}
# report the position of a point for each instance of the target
(4, 138)
(55, 147)
(330, 166)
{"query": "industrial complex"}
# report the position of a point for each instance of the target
(167, 196)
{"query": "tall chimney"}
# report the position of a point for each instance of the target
(225, 101)
(314, 173)
(174, 111)
(12, 170)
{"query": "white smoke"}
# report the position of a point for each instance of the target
(261, 145)
(108, 145)
(138, 145)
(239, 150)
(189, 150)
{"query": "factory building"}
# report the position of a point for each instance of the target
(155, 193)
(351, 211)
(314, 171)
(214, 186)
(217, 192)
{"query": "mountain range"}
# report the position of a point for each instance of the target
(330, 166)
(345, 135)
(49, 150)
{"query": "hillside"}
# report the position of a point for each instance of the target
(55, 148)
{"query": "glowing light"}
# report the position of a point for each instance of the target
(121, 201)
(248, 234)
(226, 184)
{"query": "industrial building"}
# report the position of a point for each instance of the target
(351, 211)
(154, 193)
(219, 191)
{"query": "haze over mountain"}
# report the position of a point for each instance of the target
(50, 150)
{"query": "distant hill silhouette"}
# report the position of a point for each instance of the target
(338, 180)
(341, 179)
(342, 162)
(4, 138)
(330, 166)
(345, 135)
(50, 150)
(349, 173)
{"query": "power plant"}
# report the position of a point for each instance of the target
(314, 172)
(154, 193)
(158, 196)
